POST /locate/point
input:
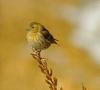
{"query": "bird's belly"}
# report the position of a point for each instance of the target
(38, 42)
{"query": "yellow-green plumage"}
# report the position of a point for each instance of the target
(39, 37)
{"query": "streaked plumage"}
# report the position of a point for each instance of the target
(39, 37)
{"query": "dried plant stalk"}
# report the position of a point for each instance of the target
(49, 78)
(83, 87)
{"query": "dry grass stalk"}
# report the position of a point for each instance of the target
(83, 87)
(50, 79)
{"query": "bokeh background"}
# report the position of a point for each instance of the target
(75, 23)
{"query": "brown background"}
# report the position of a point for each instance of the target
(18, 70)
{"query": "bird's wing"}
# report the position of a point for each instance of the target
(48, 36)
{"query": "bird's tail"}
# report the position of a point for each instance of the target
(56, 42)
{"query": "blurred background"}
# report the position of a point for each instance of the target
(75, 23)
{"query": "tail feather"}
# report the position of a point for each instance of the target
(55, 41)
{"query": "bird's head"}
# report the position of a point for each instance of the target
(35, 27)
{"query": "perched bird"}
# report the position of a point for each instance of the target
(39, 37)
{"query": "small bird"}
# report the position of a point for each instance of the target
(39, 37)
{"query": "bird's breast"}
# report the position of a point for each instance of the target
(37, 41)
(31, 36)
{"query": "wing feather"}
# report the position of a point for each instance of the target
(48, 36)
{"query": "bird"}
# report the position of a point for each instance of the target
(39, 37)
